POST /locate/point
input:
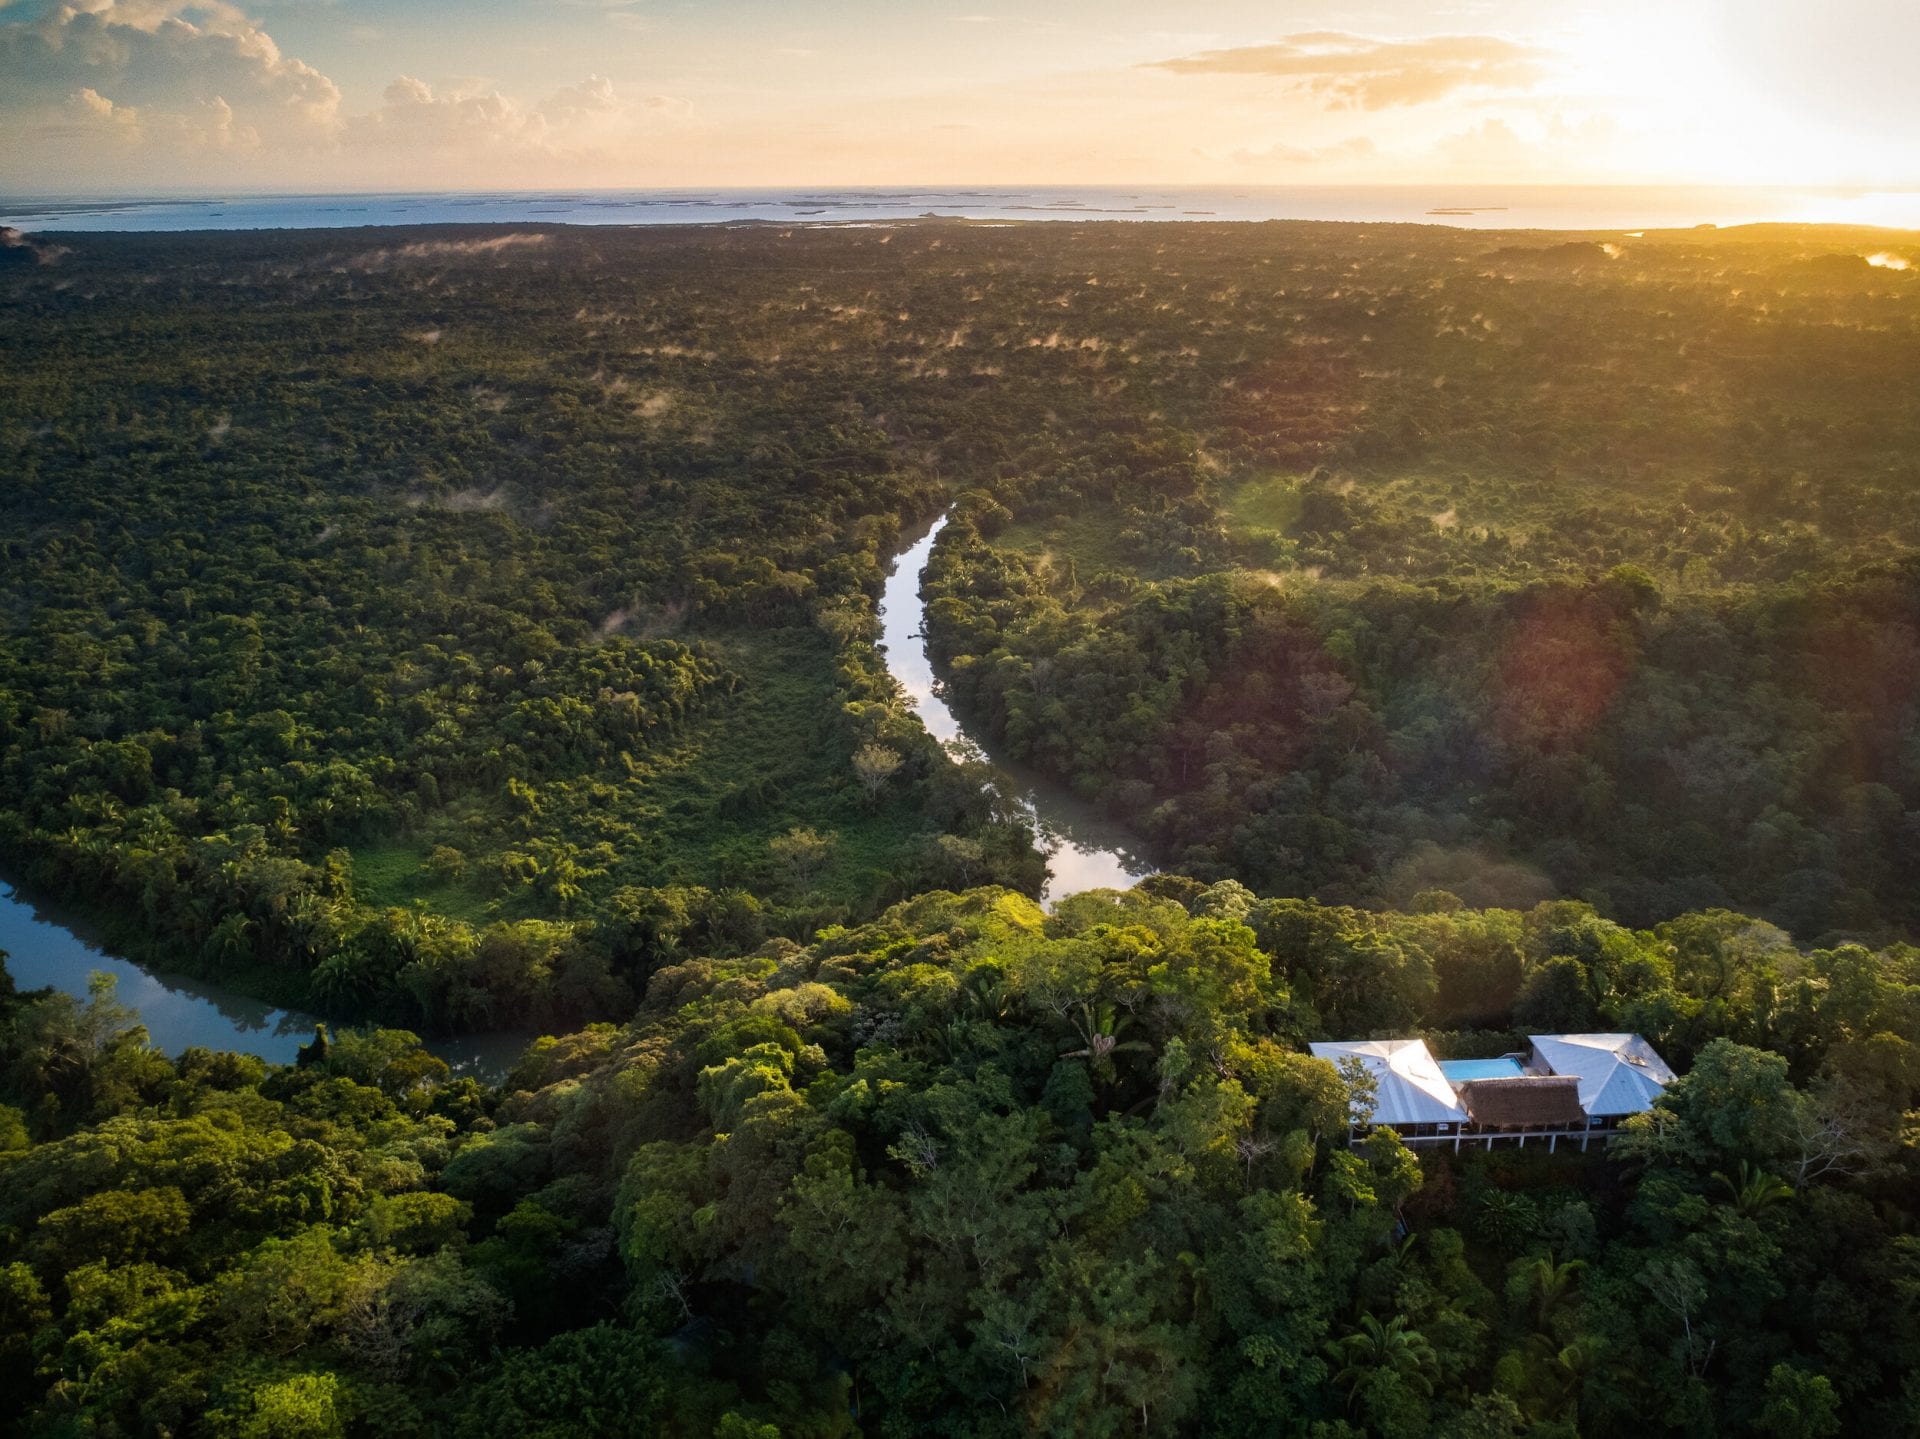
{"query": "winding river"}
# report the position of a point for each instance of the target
(45, 948)
(1085, 849)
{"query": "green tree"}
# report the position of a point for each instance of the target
(301, 1406)
(1799, 1405)
(1556, 998)
(1387, 1371)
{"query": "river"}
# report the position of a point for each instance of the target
(45, 948)
(1084, 849)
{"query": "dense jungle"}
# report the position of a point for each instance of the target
(475, 627)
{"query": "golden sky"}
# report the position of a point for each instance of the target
(112, 95)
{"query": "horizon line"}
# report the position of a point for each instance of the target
(188, 194)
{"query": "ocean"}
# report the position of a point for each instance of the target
(1572, 207)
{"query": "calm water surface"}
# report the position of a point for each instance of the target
(46, 948)
(1486, 207)
(43, 949)
(1085, 849)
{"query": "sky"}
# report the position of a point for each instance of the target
(119, 96)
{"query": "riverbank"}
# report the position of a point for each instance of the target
(48, 948)
(52, 947)
(1085, 849)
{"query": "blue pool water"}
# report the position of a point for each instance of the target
(1459, 1071)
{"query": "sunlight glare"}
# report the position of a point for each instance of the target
(1689, 106)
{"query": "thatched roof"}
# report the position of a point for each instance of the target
(1529, 1102)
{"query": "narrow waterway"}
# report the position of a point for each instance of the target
(46, 949)
(1084, 849)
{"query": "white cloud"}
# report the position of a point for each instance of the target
(135, 74)
(1492, 144)
(1345, 152)
(149, 91)
(471, 118)
(92, 104)
(1360, 72)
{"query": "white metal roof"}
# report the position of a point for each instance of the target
(1618, 1073)
(1412, 1090)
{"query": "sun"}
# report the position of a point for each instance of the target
(1679, 112)
(1711, 94)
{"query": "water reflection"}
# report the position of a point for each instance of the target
(1084, 848)
(47, 949)
(1575, 207)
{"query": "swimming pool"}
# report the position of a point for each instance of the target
(1459, 1071)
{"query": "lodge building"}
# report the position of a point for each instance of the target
(1563, 1086)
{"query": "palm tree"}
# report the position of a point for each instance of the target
(1398, 1257)
(1564, 1374)
(1549, 1285)
(313, 925)
(1507, 1218)
(1100, 1030)
(152, 830)
(1376, 1352)
(229, 939)
(344, 977)
(988, 993)
(1756, 1191)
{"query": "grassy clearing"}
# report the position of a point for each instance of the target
(1271, 504)
(701, 809)
(1089, 538)
(395, 873)
(1093, 539)
(771, 758)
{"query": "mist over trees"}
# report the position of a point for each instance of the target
(474, 628)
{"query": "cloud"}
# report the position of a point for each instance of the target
(622, 13)
(1349, 71)
(470, 118)
(1517, 148)
(142, 51)
(149, 70)
(411, 115)
(139, 92)
(1358, 148)
(1492, 144)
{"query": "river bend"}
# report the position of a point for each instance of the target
(1084, 849)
